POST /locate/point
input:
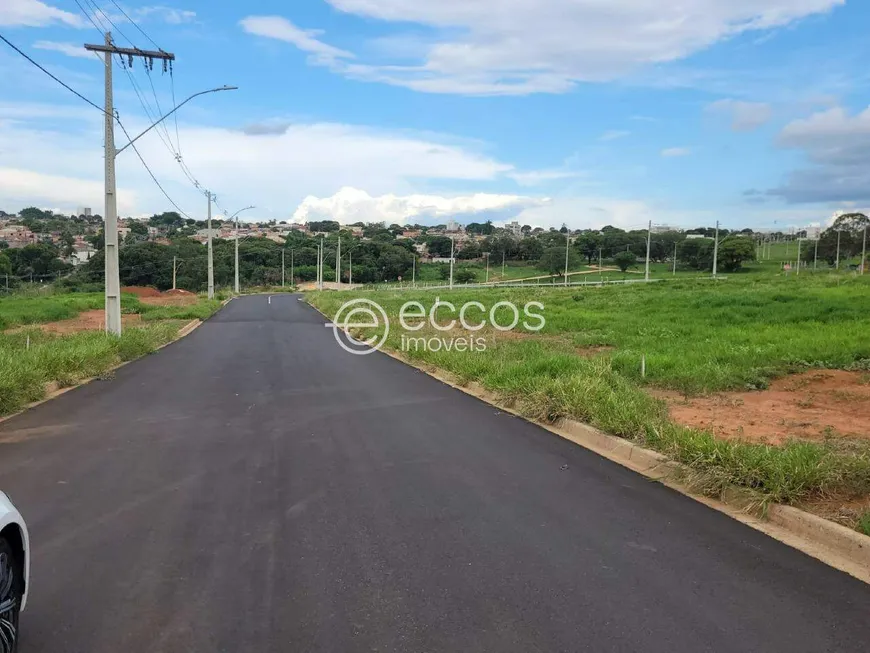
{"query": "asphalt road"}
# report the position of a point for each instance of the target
(254, 488)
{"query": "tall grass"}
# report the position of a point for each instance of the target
(696, 337)
(65, 360)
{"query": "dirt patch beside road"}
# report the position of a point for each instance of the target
(94, 320)
(815, 405)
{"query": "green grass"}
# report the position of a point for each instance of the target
(864, 524)
(65, 360)
(697, 336)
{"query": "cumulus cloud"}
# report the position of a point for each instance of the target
(744, 116)
(839, 146)
(671, 152)
(350, 205)
(510, 47)
(273, 168)
(33, 13)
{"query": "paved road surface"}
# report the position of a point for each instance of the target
(253, 488)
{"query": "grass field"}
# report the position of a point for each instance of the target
(31, 360)
(696, 336)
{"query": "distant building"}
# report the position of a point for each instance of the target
(85, 211)
(515, 228)
(664, 228)
(694, 236)
(452, 226)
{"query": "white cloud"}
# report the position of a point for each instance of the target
(69, 49)
(676, 151)
(511, 47)
(20, 188)
(279, 28)
(613, 134)
(839, 146)
(274, 170)
(350, 205)
(168, 15)
(33, 13)
(744, 116)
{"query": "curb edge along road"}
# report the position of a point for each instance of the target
(824, 540)
(186, 330)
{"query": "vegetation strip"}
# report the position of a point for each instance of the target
(695, 337)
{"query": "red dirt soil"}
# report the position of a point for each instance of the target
(809, 406)
(94, 320)
(141, 291)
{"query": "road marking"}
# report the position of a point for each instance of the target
(329, 325)
(270, 299)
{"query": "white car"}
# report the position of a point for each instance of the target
(14, 572)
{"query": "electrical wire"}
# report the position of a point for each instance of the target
(62, 83)
(136, 25)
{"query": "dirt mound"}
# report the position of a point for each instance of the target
(179, 291)
(141, 291)
(809, 406)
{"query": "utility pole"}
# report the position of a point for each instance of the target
(567, 251)
(282, 267)
(236, 255)
(675, 259)
(487, 267)
(451, 262)
(292, 276)
(338, 265)
(414, 271)
(503, 254)
(716, 250)
(320, 264)
(173, 272)
(110, 229)
(350, 267)
(799, 257)
(210, 251)
(816, 255)
(648, 243)
(864, 250)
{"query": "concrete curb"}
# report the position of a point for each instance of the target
(187, 329)
(828, 542)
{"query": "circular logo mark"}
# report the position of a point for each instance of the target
(360, 314)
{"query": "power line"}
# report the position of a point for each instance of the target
(136, 25)
(67, 87)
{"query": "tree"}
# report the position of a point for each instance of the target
(5, 264)
(696, 253)
(733, 251)
(438, 245)
(484, 229)
(553, 260)
(588, 244)
(324, 225)
(469, 251)
(465, 275)
(625, 260)
(530, 249)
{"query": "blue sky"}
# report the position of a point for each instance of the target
(752, 112)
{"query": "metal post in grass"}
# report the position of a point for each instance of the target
(503, 253)
(716, 250)
(414, 271)
(486, 254)
(816, 254)
(675, 259)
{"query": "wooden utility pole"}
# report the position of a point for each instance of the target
(110, 228)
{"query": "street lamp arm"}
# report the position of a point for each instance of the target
(213, 90)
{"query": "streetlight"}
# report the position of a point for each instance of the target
(113, 276)
(177, 107)
(236, 216)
